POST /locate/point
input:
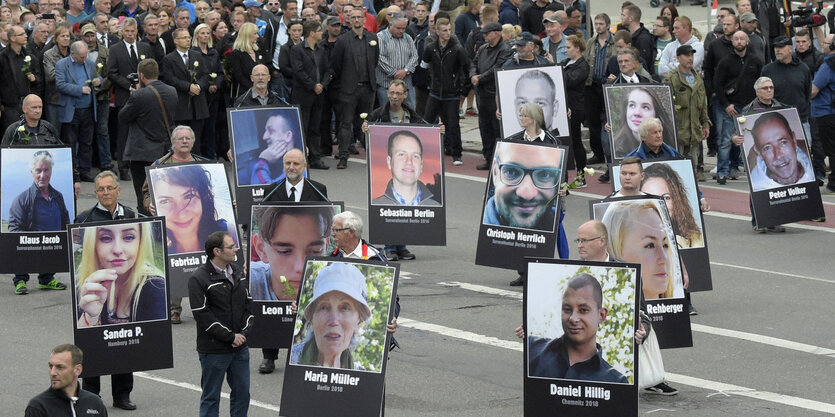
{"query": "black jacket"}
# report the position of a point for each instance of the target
(45, 134)
(487, 60)
(285, 62)
(792, 85)
(220, 308)
(175, 74)
(22, 212)
(448, 67)
(381, 115)
(735, 77)
(310, 67)
(55, 403)
(96, 214)
(717, 50)
(246, 100)
(812, 58)
(645, 42)
(148, 137)
(120, 64)
(312, 191)
(241, 65)
(14, 85)
(342, 61)
(575, 76)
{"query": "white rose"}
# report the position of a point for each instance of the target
(142, 57)
(373, 43)
(196, 64)
(283, 279)
(27, 59)
(363, 115)
(213, 75)
(21, 128)
(99, 65)
(741, 120)
(588, 171)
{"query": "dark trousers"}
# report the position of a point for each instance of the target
(79, 134)
(207, 128)
(137, 173)
(360, 101)
(818, 154)
(42, 278)
(594, 116)
(121, 385)
(270, 353)
(826, 126)
(311, 118)
(102, 134)
(235, 367)
(488, 124)
(421, 98)
(11, 114)
(326, 121)
(577, 141)
(448, 110)
(118, 136)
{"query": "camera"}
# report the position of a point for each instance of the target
(134, 79)
(808, 16)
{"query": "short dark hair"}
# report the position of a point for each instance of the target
(407, 134)
(284, 4)
(802, 33)
(730, 10)
(623, 35)
(215, 241)
(585, 280)
(310, 27)
(149, 68)
(75, 352)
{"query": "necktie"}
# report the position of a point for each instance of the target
(133, 53)
(103, 40)
(185, 60)
(161, 44)
(292, 193)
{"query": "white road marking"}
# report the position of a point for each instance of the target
(672, 377)
(197, 388)
(767, 271)
(717, 331)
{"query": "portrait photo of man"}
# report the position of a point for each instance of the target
(404, 160)
(524, 186)
(40, 206)
(775, 155)
(261, 137)
(543, 86)
(577, 353)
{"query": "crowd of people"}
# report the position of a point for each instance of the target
(121, 81)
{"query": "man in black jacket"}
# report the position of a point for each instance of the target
(148, 115)
(64, 397)
(630, 18)
(20, 75)
(354, 63)
(108, 208)
(447, 62)
(311, 77)
(181, 69)
(219, 295)
(259, 94)
(488, 59)
(334, 28)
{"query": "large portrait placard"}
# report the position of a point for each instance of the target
(259, 138)
(781, 177)
(339, 352)
(542, 85)
(283, 235)
(406, 185)
(37, 202)
(120, 295)
(569, 306)
(627, 105)
(521, 204)
(675, 182)
(640, 232)
(196, 201)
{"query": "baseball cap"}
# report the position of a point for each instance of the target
(252, 3)
(88, 28)
(782, 41)
(332, 20)
(524, 38)
(748, 17)
(491, 27)
(551, 18)
(685, 50)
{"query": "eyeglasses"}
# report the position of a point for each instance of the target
(544, 178)
(231, 247)
(272, 4)
(584, 241)
(109, 189)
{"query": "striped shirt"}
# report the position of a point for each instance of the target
(395, 54)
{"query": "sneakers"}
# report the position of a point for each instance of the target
(343, 163)
(483, 167)
(518, 282)
(52, 285)
(661, 389)
(721, 180)
(471, 112)
(405, 254)
(391, 256)
(604, 179)
(461, 114)
(692, 310)
(457, 161)
(760, 229)
(20, 288)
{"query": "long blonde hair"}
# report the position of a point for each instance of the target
(243, 43)
(143, 267)
(618, 218)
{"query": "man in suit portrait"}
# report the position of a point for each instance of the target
(147, 116)
(295, 187)
(181, 70)
(123, 60)
(75, 80)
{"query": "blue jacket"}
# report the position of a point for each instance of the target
(508, 13)
(69, 88)
(645, 153)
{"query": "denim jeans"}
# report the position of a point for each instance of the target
(394, 248)
(102, 133)
(235, 366)
(727, 155)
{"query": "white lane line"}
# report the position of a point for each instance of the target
(717, 331)
(767, 340)
(196, 388)
(672, 377)
(766, 271)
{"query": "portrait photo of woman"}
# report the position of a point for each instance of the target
(532, 121)
(639, 233)
(663, 181)
(118, 278)
(195, 201)
(627, 107)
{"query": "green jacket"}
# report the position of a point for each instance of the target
(691, 107)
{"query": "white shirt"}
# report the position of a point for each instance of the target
(299, 187)
(632, 79)
(669, 62)
(135, 48)
(357, 252)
